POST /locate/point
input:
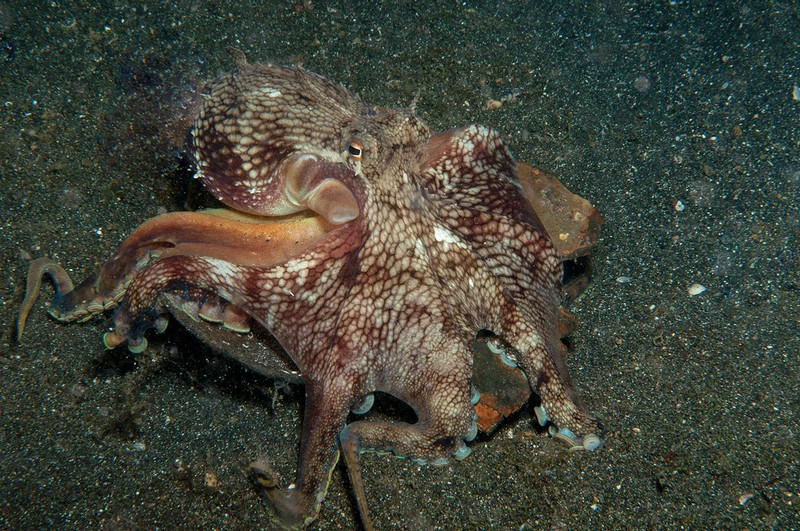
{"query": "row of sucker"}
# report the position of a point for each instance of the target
(588, 442)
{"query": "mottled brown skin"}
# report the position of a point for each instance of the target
(419, 242)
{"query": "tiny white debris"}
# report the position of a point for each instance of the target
(696, 289)
(796, 93)
(139, 446)
(624, 280)
(679, 206)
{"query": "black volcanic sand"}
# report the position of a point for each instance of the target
(677, 121)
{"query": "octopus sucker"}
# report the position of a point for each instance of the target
(358, 252)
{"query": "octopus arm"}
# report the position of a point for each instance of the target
(222, 234)
(471, 175)
(471, 169)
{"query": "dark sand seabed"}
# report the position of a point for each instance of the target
(677, 119)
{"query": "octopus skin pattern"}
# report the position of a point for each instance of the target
(373, 250)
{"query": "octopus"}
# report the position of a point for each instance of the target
(357, 253)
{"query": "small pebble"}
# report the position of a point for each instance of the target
(679, 206)
(642, 83)
(211, 480)
(77, 391)
(492, 104)
(696, 289)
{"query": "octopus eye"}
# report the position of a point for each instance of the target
(356, 149)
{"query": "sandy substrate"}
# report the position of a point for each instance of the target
(679, 123)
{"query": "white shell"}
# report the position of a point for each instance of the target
(696, 289)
